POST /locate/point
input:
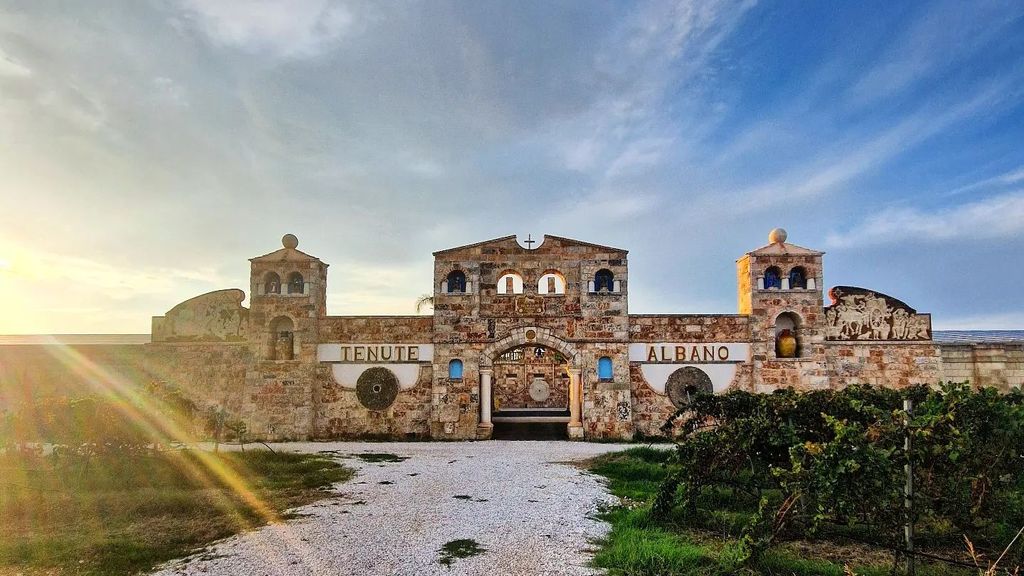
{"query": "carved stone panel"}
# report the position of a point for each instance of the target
(861, 314)
(685, 383)
(377, 388)
(529, 305)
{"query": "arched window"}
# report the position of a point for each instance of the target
(282, 339)
(510, 283)
(455, 369)
(271, 283)
(456, 282)
(604, 368)
(773, 277)
(551, 283)
(798, 278)
(295, 283)
(604, 281)
(787, 335)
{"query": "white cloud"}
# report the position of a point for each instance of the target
(835, 166)
(640, 154)
(664, 50)
(1006, 179)
(297, 28)
(33, 266)
(996, 217)
(12, 68)
(170, 91)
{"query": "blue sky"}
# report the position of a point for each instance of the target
(148, 148)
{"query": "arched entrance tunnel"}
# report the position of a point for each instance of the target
(530, 393)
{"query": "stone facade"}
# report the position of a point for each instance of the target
(518, 334)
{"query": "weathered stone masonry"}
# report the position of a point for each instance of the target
(518, 334)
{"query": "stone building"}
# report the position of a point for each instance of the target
(539, 334)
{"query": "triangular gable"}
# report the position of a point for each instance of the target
(510, 242)
(582, 243)
(784, 248)
(285, 255)
(503, 241)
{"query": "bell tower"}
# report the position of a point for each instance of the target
(289, 297)
(780, 289)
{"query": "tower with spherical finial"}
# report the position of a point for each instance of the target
(779, 289)
(288, 291)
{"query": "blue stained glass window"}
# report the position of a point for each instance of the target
(455, 369)
(604, 368)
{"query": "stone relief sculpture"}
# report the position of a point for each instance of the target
(862, 314)
(212, 317)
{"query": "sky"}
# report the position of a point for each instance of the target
(149, 148)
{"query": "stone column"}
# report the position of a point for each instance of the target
(485, 427)
(575, 404)
(485, 396)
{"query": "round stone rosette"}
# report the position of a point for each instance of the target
(685, 383)
(377, 388)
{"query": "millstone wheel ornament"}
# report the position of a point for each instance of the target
(685, 383)
(539, 390)
(377, 388)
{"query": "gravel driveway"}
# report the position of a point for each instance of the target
(518, 500)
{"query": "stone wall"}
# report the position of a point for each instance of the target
(652, 409)
(997, 365)
(211, 374)
(891, 364)
(34, 371)
(338, 411)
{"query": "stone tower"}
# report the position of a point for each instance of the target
(288, 303)
(780, 289)
(289, 297)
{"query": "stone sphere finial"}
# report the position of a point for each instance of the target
(290, 241)
(777, 236)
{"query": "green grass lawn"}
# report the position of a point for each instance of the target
(638, 545)
(121, 515)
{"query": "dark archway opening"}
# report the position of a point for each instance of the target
(530, 394)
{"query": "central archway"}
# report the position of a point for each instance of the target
(531, 385)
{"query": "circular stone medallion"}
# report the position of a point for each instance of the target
(377, 388)
(685, 383)
(539, 390)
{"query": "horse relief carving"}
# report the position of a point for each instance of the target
(861, 314)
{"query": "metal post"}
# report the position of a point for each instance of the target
(908, 489)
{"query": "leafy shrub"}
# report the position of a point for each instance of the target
(835, 458)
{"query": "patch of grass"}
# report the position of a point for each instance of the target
(635, 473)
(376, 457)
(638, 546)
(125, 514)
(461, 548)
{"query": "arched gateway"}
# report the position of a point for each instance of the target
(531, 377)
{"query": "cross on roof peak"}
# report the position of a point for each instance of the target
(529, 241)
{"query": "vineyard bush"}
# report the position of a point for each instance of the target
(833, 461)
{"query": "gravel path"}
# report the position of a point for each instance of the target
(518, 500)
